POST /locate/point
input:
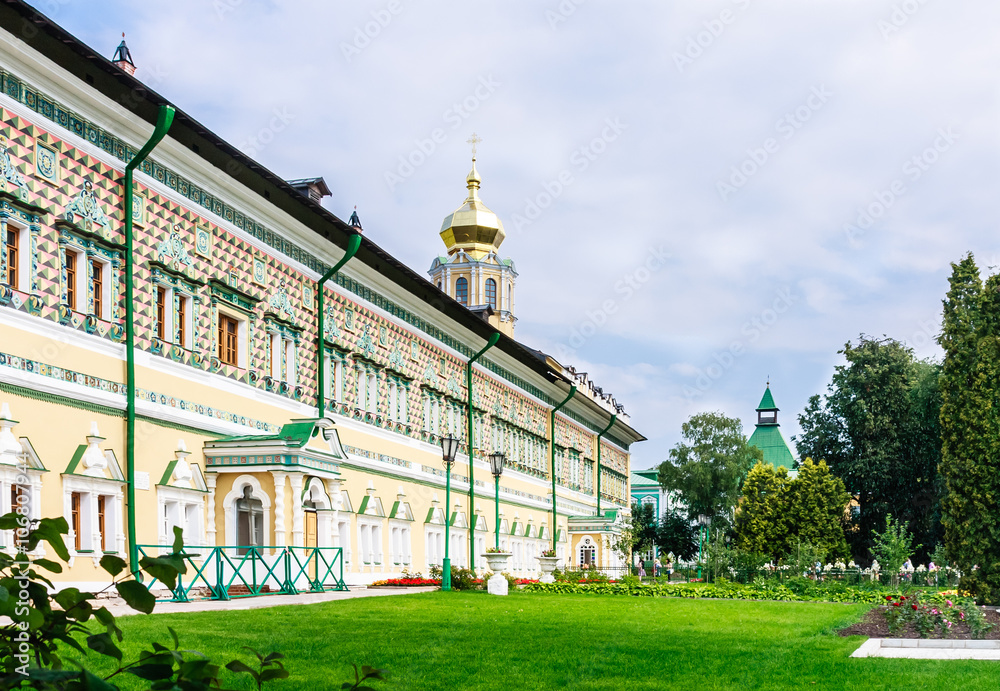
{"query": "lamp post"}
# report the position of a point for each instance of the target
(449, 448)
(497, 459)
(703, 522)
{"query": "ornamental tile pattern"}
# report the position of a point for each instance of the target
(70, 184)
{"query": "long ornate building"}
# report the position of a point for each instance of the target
(232, 440)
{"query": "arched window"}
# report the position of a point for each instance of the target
(462, 291)
(250, 520)
(491, 293)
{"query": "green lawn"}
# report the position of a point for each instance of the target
(457, 641)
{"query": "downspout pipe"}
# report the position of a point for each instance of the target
(494, 337)
(163, 121)
(353, 243)
(552, 446)
(605, 431)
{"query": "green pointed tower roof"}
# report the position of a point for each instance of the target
(767, 437)
(767, 402)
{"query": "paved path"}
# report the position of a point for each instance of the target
(119, 608)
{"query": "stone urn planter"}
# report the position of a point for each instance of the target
(548, 565)
(497, 584)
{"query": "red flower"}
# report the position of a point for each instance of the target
(896, 604)
(888, 597)
(902, 597)
(913, 606)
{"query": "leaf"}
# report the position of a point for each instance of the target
(254, 651)
(112, 564)
(242, 668)
(164, 569)
(50, 530)
(9, 521)
(178, 545)
(137, 596)
(274, 656)
(173, 635)
(102, 643)
(48, 565)
(269, 674)
(104, 616)
(152, 671)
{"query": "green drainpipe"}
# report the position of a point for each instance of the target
(606, 430)
(552, 432)
(353, 243)
(163, 122)
(472, 483)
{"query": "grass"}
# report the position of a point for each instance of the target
(537, 641)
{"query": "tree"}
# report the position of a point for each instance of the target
(675, 535)
(876, 429)
(707, 469)
(893, 547)
(760, 525)
(778, 514)
(970, 428)
(813, 510)
(639, 532)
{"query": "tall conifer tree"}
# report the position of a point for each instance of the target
(970, 428)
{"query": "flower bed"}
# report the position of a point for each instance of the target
(908, 617)
(726, 590)
(406, 582)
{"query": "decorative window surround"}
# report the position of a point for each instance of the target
(89, 247)
(180, 288)
(181, 500)
(20, 476)
(94, 474)
(229, 507)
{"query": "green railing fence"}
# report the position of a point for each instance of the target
(227, 572)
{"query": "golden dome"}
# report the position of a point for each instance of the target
(472, 227)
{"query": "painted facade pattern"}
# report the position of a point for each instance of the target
(61, 188)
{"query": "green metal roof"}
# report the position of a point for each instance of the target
(770, 440)
(767, 402)
(638, 480)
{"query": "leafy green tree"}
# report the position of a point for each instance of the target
(760, 525)
(892, 547)
(638, 533)
(876, 428)
(707, 469)
(813, 510)
(675, 535)
(970, 428)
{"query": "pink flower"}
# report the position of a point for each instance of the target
(948, 602)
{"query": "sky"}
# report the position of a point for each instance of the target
(699, 196)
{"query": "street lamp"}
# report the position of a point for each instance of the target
(449, 449)
(703, 522)
(497, 459)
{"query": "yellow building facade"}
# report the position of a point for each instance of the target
(229, 443)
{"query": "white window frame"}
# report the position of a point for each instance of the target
(433, 545)
(242, 333)
(9, 476)
(401, 543)
(190, 505)
(23, 254)
(90, 488)
(370, 543)
(291, 362)
(229, 509)
(168, 310)
(106, 276)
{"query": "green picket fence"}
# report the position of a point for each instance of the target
(227, 572)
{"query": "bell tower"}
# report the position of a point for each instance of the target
(472, 272)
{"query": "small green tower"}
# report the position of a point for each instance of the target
(767, 437)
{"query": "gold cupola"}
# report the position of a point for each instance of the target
(472, 227)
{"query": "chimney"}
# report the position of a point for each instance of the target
(123, 58)
(314, 188)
